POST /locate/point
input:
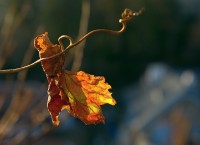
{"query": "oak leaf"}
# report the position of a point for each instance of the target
(81, 94)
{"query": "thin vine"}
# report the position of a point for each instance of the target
(127, 15)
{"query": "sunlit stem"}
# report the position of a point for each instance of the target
(127, 15)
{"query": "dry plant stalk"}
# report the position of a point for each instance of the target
(127, 15)
(83, 28)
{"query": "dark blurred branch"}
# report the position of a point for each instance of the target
(181, 127)
(85, 13)
(17, 107)
(10, 27)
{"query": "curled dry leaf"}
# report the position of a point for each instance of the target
(81, 94)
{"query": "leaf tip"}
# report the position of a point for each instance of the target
(55, 121)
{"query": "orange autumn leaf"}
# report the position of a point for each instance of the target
(47, 49)
(81, 94)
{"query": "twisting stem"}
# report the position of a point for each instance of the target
(66, 37)
(126, 16)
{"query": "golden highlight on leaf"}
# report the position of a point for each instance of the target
(86, 93)
(81, 94)
(47, 49)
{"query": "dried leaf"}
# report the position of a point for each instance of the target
(81, 94)
(46, 49)
(85, 93)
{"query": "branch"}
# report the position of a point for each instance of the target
(127, 15)
(83, 28)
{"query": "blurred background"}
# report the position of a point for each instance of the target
(153, 68)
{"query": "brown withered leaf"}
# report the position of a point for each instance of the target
(81, 94)
(46, 49)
